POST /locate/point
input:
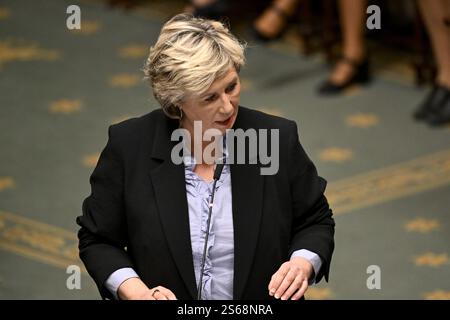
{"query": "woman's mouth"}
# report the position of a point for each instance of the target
(226, 122)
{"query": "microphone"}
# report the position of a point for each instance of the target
(217, 173)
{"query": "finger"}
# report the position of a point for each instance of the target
(301, 291)
(172, 296)
(159, 293)
(277, 278)
(160, 296)
(169, 294)
(293, 288)
(288, 279)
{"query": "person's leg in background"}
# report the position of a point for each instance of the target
(436, 107)
(353, 66)
(273, 21)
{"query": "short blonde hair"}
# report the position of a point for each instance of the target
(189, 55)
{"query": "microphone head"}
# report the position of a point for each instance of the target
(218, 171)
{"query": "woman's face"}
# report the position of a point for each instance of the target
(217, 108)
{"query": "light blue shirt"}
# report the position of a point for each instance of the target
(217, 282)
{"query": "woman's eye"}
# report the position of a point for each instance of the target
(210, 99)
(228, 89)
(231, 88)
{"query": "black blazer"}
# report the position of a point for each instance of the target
(137, 213)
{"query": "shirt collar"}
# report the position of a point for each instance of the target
(189, 160)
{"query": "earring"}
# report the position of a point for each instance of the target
(181, 112)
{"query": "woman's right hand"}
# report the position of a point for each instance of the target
(135, 289)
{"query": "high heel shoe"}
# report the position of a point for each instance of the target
(439, 108)
(428, 105)
(361, 75)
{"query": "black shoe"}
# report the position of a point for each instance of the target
(431, 103)
(440, 112)
(361, 75)
(216, 10)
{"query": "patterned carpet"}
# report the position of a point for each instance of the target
(389, 177)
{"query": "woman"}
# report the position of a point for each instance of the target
(144, 226)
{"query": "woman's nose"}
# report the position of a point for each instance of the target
(227, 106)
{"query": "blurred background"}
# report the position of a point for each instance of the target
(370, 97)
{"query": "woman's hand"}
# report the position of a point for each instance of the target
(135, 289)
(291, 279)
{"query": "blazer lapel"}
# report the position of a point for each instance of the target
(247, 196)
(169, 186)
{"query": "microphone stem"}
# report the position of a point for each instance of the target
(199, 289)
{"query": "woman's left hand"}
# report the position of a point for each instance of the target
(291, 279)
